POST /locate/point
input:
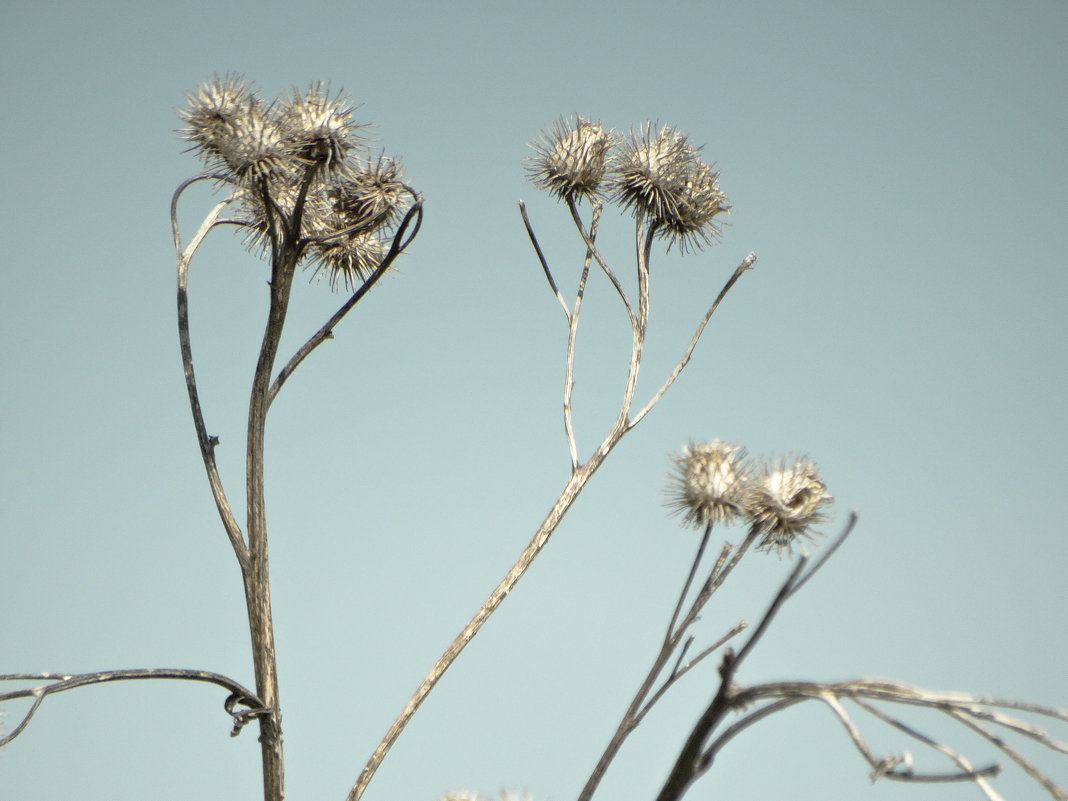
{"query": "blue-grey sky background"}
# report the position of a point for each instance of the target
(900, 170)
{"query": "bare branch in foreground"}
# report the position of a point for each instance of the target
(978, 713)
(59, 682)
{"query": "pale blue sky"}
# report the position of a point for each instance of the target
(900, 170)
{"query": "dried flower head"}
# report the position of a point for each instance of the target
(693, 224)
(212, 113)
(230, 129)
(786, 500)
(370, 196)
(569, 159)
(319, 129)
(348, 259)
(709, 483)
(660, 175)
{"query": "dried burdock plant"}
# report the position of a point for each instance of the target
(578, 160)
(301, 186)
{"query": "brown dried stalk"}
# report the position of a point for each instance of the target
(581, 472)
(981, 714)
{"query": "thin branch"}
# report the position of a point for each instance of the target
(572, 334)
(967, 709)
(396, 248)
(781, 597)
(640, 325)
(717, 576)
(205, 441)
(879, 767)
(580, 473)
(887, 766)
(1027, 766)
(709, 755)
(639, 706)
(746, 264)
(1021, 727)
(600, 260)
(681, 669)
(670, 635)
(568, 494)
(828, 552)
(61, 682)
(708, 650)
(688, 767)
(967, 771)
(541, 258)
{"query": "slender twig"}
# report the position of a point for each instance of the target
(709, 754)
(827, 552)
(542, 261)
(62, 682)
(206, 442)
(688, 767)
(577, 219)
(1027, 766)
(642, 703)
(746, 264)
(696, 757)
(572, 488)
(580, 475)
(966, 708)
(967, 772)
(670, 634)
(780, 598)
(572, 334)
(396, 248)
(640, 324)
(887, 767)
(683, 668)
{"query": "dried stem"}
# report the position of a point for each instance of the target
(975, 712)
(207, 443)
(61, 682)
(1028, 767)
(688, 767)
(541, 259)
(642, 702)
(400, 242)
(747, 263)
(592, 248)
(567, 496)
(580, 472)
(572, 334)
(256, 576)
(286, 248)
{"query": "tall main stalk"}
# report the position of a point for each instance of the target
(256, 573)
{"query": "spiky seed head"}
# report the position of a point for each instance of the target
(660, 175)
(785, 500)
(212, 114)
(370, 197)
(319, 128)
(693, 225)
(708, 485)
(348, 259)
(569, 159)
